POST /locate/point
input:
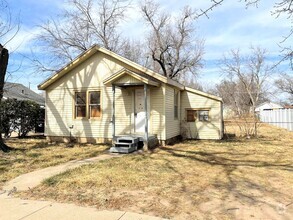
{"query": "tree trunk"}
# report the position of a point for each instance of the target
(4, 55)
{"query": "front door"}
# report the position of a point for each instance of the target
(139, 115)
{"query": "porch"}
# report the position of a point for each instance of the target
(136, 132)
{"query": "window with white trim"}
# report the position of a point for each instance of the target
(193, 115)
(203, 115)
(87, 104)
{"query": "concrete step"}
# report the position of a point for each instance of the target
(129, 145)
(124, 150)
(127, 139)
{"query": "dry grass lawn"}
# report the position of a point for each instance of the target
(33, 154)
(230, 179)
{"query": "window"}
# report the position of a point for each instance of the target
(176, 95)
(80, 104)
(203, 115)
(193, 115)
(94, 104)
(87, 104)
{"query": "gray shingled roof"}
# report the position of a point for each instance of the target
(20, 92)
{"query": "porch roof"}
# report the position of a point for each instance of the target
(139, 79)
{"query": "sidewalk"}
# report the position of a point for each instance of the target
(18, 209)
(30, 180)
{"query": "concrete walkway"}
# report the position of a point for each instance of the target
(30, 180)
(18, 209)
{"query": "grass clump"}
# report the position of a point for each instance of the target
(33, 154)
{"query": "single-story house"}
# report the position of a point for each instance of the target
(100, 96)
(266, 106)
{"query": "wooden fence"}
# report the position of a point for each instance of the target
(282, 118)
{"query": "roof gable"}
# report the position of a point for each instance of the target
(133, 78)
(84, 56)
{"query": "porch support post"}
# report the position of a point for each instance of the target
(146, 115)
(113, 113)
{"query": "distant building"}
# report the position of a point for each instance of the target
(288, 106)
(266, 106)
(20, 92)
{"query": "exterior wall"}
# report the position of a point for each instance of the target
(201, 130)
(172, 124)
(67, 139)
(157, 114)
(89, 76)
(60, 110)
(127, 79)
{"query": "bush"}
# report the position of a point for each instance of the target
(8, 110)
(20, 116)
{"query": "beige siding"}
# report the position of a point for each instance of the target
(127, 79)
(124, 111)
(87, 76)
(60, 110)
(158, 112)
(172, 124)
(201, 130)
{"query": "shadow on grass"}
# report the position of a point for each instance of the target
(216, 158)
(229, 182)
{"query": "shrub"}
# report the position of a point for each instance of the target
(20, 116)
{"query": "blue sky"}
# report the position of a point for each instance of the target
(229, 26)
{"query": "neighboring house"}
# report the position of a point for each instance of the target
(266, 106)
(288, 106)
(101, 95)
(20, 92)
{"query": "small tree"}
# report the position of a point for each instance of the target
(245, 83)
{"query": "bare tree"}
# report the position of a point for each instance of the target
(135, 51)
(8, 30)
(247, 76)
(234, 96)
(172, 42)
(285, 84)
(191, 82)
(82, 24)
